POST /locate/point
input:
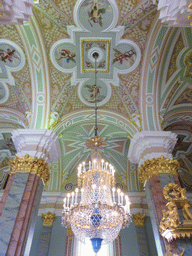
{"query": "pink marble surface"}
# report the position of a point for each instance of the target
(21, 224)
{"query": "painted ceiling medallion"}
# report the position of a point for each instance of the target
(95, 31)
(12, 59)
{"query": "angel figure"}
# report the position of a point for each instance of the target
(124, 56)
(95, 14)
(7, 55)
(94, 91)
(67, 55)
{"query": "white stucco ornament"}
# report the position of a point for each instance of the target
(174, 13)
(15, 12)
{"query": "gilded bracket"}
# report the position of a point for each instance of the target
(30, 164)
(171, 226)
(156, 166)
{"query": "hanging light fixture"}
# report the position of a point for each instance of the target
(96, 210)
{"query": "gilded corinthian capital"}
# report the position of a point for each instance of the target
(32, 165)
(48, 218)
(139, 219)
(156, 166)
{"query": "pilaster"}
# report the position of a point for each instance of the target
(48, 219)
(139, 220)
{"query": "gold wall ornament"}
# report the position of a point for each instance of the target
(188, 61)
(156, 166)
(190, 16)
(48, 218)
(173, 191)
(171, 226)
(30, 164)
(170, 253)
(139, 219)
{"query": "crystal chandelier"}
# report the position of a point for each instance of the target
(96, 210)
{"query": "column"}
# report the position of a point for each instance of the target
(117, 246)
(29, 171)
(48, 219)
(139, 220)
(69, 242)
(152, 152)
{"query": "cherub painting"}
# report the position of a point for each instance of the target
(128, 56)
(94, 92)
(7, 55)
(95, 15)
(67, 55)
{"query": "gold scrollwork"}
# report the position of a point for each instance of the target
(156, 166)
(32, 165)
(190, 16)
(171, 226)
(48, 218)
(188, 62)
(139, 219)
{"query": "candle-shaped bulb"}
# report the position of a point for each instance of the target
(68, 196)
(72, 201)
(89, 165)
(83, 166)
(102, 164)
(76, 194)
(82, 190)
(113, 190)
(118, 192)
(122, 194)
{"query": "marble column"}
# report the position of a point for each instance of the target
(152, 151)
(48, 219)
(139, 220)
(29, 171)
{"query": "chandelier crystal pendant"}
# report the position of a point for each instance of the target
(96, 210)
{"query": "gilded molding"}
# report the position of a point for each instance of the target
(48, 218)
(139, 219)
(171, 225)
(156, 166)
(30, 164)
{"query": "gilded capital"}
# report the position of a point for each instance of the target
(156, 166)
(139, 219)
(32, 165)
(48, 218)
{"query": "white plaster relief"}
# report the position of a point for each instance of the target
(39, 143)
(148, 140)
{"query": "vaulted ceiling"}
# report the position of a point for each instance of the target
(143, 81)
